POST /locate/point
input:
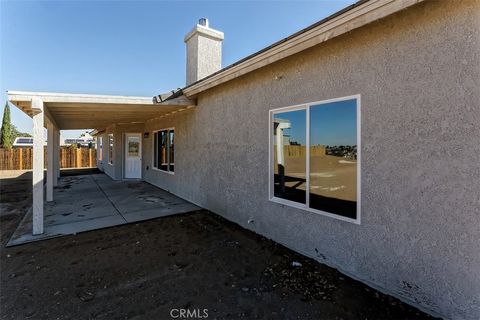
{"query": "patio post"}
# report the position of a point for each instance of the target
(38, 165)
(56, 156)
(50, 160)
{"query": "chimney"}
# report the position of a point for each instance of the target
(204, 51)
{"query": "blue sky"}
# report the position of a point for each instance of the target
(297, 130)
(334, 123)
(130, 48)
(331, 124)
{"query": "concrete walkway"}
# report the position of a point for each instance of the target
(90, 202)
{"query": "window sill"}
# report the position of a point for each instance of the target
(164, 171)
(304, 207)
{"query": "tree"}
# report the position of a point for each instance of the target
(16, 133)
(6, 131)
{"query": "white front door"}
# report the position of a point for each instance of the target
(133, 155)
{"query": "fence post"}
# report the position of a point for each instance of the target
(79, 157)
(90, 157)
(20, 160)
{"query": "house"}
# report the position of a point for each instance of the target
(24, 142)
(84, 140)
(395, 84)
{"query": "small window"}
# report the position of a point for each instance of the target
(314, 160)
(100, 148)
(110, 149)
(164, 150)
(133, 145)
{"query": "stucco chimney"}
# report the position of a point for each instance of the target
(204, 51)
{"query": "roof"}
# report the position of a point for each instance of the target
(80, 111)
(343, 21)
(316, 24)
(167, 96)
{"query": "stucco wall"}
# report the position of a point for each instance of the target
(418, 75)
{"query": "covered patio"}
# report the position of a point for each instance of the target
(60, 111)
(94, 201)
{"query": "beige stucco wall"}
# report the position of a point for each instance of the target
(418, 75)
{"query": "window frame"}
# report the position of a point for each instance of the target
(168, 154)
(111, 149)
(306, 205)
(100, 148)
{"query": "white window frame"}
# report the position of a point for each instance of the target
(100, 148)
(305, 206)
(153, 151)
(111, 148)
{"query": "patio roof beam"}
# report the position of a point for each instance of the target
(49, 117)
(82, 111)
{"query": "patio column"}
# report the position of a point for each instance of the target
(281, 152)
(51, 174)
(56, 156)
(38, 165)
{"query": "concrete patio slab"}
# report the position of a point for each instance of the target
(94, 201)
(155, 213)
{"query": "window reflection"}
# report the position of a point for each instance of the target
(164, 150)
(155, 150)
(333, 157)
(289, 153)
(172, 150)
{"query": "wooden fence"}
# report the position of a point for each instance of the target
(21, 158)
(301, 151)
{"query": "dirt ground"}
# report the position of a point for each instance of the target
(330, 176)
(153, 269)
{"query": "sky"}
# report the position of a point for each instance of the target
(130, 47)
(331, 124)
(334, 124)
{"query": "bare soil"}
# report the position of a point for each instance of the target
(193, 261)
(330, 176)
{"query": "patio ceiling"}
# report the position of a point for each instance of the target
(81, 111)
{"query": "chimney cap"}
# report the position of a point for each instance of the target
(203, 22)
(202, 28)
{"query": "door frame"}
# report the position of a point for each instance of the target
(125, 151)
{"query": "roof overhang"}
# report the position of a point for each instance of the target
(352, 17)
(81, 111)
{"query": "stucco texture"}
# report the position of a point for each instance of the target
(204, 56)
(418, 76)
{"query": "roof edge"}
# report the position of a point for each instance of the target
(16, 97)
(352, 17)
(73, 95)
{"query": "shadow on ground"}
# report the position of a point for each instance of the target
(191, 261)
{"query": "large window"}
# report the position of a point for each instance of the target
(110, 149)
(314, 163)
(164, 150)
